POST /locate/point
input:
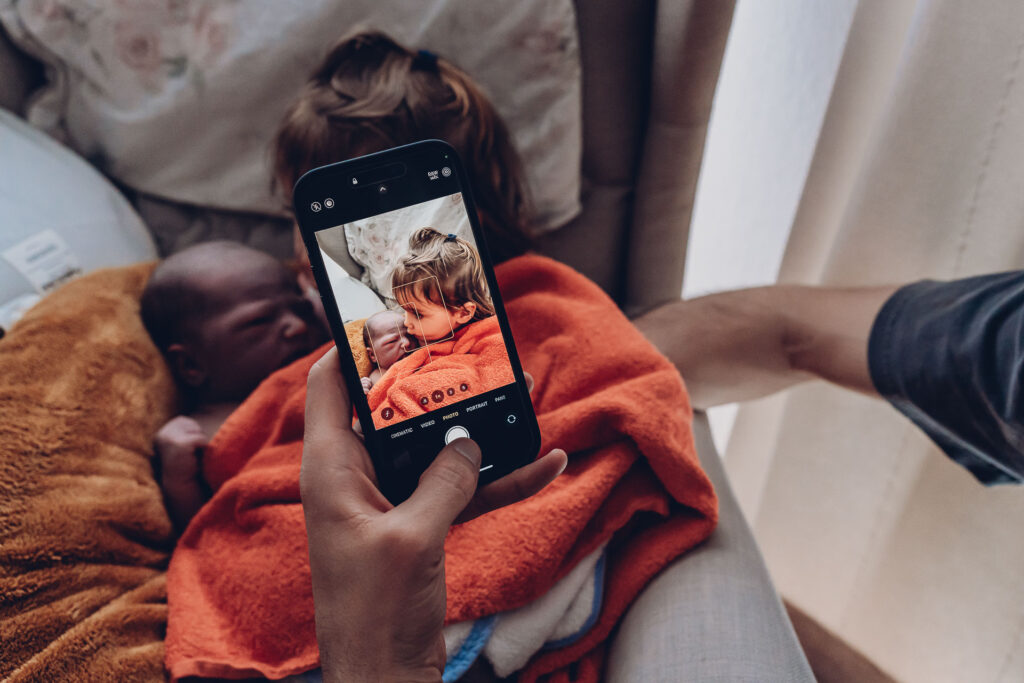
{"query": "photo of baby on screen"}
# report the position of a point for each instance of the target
(435, 339)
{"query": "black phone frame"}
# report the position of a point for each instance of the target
(334, 181)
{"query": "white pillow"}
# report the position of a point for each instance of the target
(360, 301)
(59, 217)
(180, 98)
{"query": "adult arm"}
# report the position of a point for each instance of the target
(948, 355)
(745, 344)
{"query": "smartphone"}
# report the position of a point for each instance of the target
(410, 295)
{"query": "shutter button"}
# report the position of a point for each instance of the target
(456, 432)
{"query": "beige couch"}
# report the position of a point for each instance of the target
(649, 71)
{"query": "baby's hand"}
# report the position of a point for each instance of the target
(177, 443)
(367, 384)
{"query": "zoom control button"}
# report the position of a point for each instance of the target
(456, 432)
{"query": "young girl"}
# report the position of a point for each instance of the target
(441, 286)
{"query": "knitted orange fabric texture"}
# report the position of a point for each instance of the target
(239, 595)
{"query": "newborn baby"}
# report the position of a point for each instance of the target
(225, 317)
(386, 343)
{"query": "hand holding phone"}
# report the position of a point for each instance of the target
(378, 584)
(402, 267)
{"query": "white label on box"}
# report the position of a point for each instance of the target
(44, 259)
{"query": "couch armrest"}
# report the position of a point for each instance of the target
(714, 614)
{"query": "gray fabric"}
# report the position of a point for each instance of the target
(689, 43)
(713, 615)
(649, 75)
(175, 226)
(615, 55)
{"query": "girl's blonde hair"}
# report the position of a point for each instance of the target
(444, 270)
(371, 93)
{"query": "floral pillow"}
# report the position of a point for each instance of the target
(180, 98)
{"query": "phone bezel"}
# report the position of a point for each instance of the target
(314, 185)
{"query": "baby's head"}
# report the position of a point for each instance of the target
(385, 338)
(371, 93)
(441, 285)
(226, 316)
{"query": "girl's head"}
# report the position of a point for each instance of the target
(441, 285)
(370, 93)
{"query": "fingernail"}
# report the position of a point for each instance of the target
(468, 449)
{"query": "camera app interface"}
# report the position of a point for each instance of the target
(418, 314)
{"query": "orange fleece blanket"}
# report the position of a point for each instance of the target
(472, 362)
(239, 593)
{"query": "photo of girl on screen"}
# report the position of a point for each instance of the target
(437, 341)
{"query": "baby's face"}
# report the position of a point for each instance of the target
(388, 341)
(259, 321)
(428, 321)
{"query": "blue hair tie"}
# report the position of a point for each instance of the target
(425, 60)
(450, 237)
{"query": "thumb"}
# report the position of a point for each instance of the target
(446, 487)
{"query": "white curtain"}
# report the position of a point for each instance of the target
(918, 172)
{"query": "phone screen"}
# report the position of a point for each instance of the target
(412, 296)
(424, 335)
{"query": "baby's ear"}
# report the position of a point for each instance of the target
(185, 366)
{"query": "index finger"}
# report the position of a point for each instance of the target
(327, 403)
(337, 475)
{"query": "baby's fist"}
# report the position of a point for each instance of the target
(367, 384)
(177, 444)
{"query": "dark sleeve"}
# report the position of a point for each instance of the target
(950, 356)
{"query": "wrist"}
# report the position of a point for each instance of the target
(179, 467)
(175, 484)
(373, 667)
(376, 674)
(367, 654)
(172, 475)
